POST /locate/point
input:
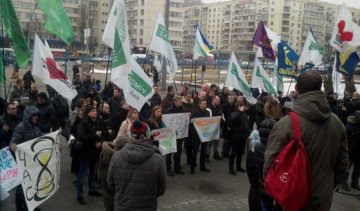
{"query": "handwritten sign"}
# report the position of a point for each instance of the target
(208, 128)
(178, 122)
(9, 173)
(167, 140)
(39, 165)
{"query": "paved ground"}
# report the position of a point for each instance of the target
(218, 190)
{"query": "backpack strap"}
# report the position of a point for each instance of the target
(295, 123)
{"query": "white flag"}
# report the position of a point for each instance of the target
(312, 51)
(157, 63)
(160, 42)
(336, 77)
(45, 67)
(277, 81)
(261, 80)
(126, 73)
(202, 48)
(235, 79)
(259, 53)
(345, 33)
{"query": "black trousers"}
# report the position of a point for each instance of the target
(176, 156)
(194, 147)
(238, 144)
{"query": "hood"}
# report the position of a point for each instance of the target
(313, 106)
(108, 148)
(28, 113)
(137, 152)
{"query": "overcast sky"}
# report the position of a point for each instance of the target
(350, 3)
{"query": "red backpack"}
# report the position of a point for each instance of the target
(289, 179)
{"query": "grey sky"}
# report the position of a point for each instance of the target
(350, 3)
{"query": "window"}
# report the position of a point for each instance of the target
(141, 22)
(142, 12)
(142, 2)
(141, 32)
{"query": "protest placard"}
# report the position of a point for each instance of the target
(39, 165)
(178, 122)
(9, 174)
(208, 128)
(167, 140)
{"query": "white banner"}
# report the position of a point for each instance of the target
(167, 140)
(208, 128)
(39, 164)
(178, 122)
(9, 173)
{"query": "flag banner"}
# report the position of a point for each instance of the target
(140, 89)
(261, 80)
(160, 42)
(347, 61)
(202, 48)
(312, 52)
(45, 67)
(346, 33)
(178, 122)
(277, 81)
(157, 62)
(275, 39)
(259, 53)
(286, 57)
(261, 39)
(126, 73)
(57, 20)
(235, 79)
(167, 140)
(14, 31)
(208, 128)
(9, 173)
(38, 161)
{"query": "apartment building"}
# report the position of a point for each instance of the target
(230, 25)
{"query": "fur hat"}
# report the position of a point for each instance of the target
(139, 130)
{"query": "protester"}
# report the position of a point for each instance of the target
(25, 131)
(323, 135)
(155, 121)
(18, 91)
(167, 101)
(137, 172)
(272, 109)
(28, 79)
(8, 121)
(46, 114)
(259, 107)
(126, 124)
(89, 134)
(227, 108)
(76, 147)
(215, 109)
(33, 93)
(156, 98)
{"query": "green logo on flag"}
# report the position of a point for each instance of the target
(162, 33)
(119, 57)
(242, 83)
(268, 86)
(137, 83)
(315, 46)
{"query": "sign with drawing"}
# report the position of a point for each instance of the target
(167, 140)
(178, 122)
(39, 165)
(208, 128)
(9, 173)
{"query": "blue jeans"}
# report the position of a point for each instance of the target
(85, 168)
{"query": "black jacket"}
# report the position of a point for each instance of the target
(46, 117)
(12, 122)
(192, 131)
(239, 124)
(155, 100)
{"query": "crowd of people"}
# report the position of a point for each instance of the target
(112, 144)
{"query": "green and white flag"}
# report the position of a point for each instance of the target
(126, 73)
(235, 79)
(157, 62)
(312, 51)
(261, 80)
(2, 68)
(15, 33)
(57, 20)
(277, 81)
(160, 42)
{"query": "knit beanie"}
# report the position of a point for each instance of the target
(139, 130)
(43, 95)
(89, 108)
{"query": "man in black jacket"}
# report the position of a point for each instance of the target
(195, 140)
(28, 79)
(89, 134)
(155, 99)
(215, 111)
(227, 109)
(8, 121)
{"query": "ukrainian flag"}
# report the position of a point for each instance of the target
(347, 61)
(201, 47)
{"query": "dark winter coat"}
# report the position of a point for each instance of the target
(46, 117)
(192, 131)
(324, 138)
(28, 79)
(86, 133)
(353, 134)
(16, 93)
(12, 122)
(239, 124)
(25, 130)
(137, 177)
(260, 113)
(166, 102)
(155, 100)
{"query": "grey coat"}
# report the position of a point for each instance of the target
(137, 176)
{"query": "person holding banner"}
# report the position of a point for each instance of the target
(195, 140)
(155, 121)
(25, 131)
(239, 132)
(215, 111)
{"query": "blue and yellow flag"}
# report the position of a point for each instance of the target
(201, 47)
(347, 61)
(286, 56)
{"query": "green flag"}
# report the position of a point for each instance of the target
(15, 33)
(57, 21)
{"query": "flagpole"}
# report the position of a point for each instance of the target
(32, 15)
(3, 57)
(195, 75)
(107, 68)
(192, 70)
